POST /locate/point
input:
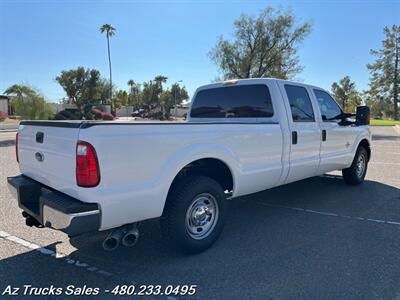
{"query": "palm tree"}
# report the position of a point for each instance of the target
(160, 79)
(132, 85)
(19, 90)
(110, 31)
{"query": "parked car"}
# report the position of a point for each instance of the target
(139, 113)
(240, 137)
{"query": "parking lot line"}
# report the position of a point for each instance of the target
(383, 163)
(44, 251)
(324, 213)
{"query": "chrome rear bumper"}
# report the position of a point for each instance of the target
(54, 209)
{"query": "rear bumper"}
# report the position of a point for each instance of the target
(54, 209)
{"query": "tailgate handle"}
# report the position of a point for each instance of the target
(39, 137)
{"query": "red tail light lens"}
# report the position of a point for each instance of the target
(87, 165)
(16, 147)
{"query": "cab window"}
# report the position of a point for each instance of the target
(300, 103)
(241, 101)
(330, 110)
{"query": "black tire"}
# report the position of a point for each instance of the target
(184, 194)
(354, 175)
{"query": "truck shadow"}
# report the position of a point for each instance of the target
(7, 143)
(269, 246)
(255, 224)
(378, 137)
(327, 193)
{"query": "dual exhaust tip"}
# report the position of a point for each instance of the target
(127, 235)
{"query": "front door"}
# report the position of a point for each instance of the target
(336, 147)
(305, 133)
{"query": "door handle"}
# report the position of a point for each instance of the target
(324, 135)
(294, 137)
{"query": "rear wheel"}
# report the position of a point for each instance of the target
(194, 214)
(355, 174)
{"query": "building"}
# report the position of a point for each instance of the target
(180, 110)
(5, 105)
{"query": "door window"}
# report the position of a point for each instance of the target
(330, 110)
(300, 103)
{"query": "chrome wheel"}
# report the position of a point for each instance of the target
(360, 165)
(202, 216)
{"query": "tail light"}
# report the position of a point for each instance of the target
(16, 147)
(87, 165)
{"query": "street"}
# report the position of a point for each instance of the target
(313, 239)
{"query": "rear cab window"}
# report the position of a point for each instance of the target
(239, 101)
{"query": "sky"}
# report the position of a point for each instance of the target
(39, 39)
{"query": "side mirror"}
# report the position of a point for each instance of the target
(362, 115)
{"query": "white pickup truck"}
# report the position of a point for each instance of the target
(240, 137)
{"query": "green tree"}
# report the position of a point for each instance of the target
(132, 84)
(149, 96)
(120, 99)
(263, 46)
(172, 97)
(166, 102)
(109, 31)
(28, 103)
(152, 91)
(159, 100)
(160, 79)
(346, 93)
(385, 72)
(164, 98)
(84, 87)
(179, 93)
(134, 94)
(377, 104)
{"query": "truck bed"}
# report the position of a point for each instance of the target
(139, 160)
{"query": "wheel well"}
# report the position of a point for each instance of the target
(210, 167)
(366, 146)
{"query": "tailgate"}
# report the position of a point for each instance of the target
(47, 153)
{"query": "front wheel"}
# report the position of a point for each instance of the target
(194, 214)
(355, 174)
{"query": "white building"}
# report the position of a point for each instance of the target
(5, 104)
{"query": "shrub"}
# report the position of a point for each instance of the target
(88, 112)
(108, 116)
(59, 116)
(98, 114)
(68, 115)
(155, 115)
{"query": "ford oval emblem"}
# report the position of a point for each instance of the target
(39, 156)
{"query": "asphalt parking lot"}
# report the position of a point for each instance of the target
(314, 239)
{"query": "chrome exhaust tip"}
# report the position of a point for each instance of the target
(131, 237)
(113, 240)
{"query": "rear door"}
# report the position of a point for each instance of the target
(47, 153)
(305, 131)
